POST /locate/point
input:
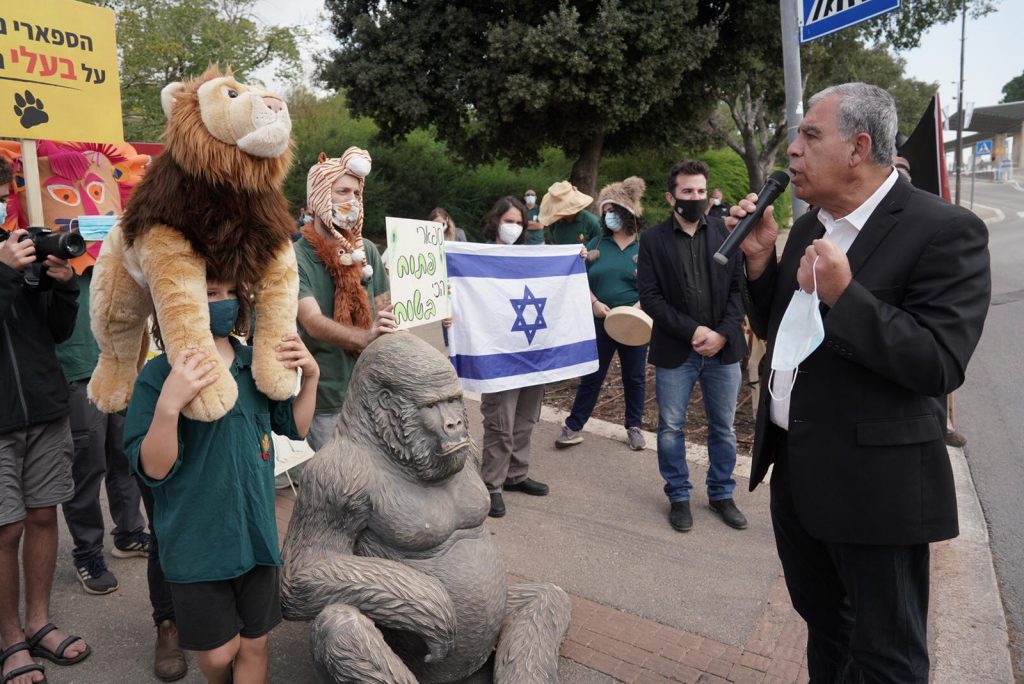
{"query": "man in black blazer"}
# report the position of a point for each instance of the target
(697, 337)
(862, 481)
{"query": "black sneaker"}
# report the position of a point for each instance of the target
(95, 577)
(137, 546)
(679, 517)
(527, 486)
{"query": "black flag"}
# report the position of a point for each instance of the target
(924, 150)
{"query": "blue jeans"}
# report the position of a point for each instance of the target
(720, 385)
(633, 361)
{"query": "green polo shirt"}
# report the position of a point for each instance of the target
(214, 512)
(534, 237)
(335, 363)
(581, 230)
(612, 276)
(79, 354)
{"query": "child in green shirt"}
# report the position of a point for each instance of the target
(213, 491)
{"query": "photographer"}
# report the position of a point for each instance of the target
(38, 303)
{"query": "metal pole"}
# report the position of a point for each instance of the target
(974, 160)
(789, 11)
(960, 101)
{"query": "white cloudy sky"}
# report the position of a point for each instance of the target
(993, 53)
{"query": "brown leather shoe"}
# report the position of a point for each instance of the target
(169, 662)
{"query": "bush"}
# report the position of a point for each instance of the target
(412, 176)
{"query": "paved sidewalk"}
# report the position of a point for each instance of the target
(649, 604)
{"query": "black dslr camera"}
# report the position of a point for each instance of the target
(62, 245)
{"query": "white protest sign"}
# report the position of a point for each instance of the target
(416, 267)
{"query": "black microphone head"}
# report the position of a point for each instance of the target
(780, 178)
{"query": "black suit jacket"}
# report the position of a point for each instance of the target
(867, 459)
(659, 280)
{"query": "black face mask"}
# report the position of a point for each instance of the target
(691, 210)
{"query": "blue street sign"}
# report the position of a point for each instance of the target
(983, 147)
(822, 17)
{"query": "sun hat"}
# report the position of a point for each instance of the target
(562, 199)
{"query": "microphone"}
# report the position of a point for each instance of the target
(773, 187)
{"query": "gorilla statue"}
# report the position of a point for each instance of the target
(386, 550)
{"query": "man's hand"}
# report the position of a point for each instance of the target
(706, 341)
(382, 325)
(832, 269)
(191, 371)
(759, 244)
(294, 354)
(17, 253)
(599, 308)
(58, 269)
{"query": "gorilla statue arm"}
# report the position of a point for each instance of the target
(320, 568)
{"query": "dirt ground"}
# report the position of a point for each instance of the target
(611, 406)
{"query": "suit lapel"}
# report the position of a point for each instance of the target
(881, 221)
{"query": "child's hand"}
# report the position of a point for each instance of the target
(190, 373)
(294, 354)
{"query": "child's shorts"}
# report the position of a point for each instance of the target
(210, 614)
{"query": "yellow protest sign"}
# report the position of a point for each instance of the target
(58, 72)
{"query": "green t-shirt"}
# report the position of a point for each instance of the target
(79, 354)
(581, 230)
(612, 276)
(534, 237)
(335, 363)
(214, 512)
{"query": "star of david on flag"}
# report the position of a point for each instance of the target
(521, 315)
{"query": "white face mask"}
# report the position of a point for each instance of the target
(531, 200)
(345, 215)
(716, 201)
(800, 333)
(509, 232)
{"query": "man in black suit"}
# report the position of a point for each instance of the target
(862, 482)
(697, 337)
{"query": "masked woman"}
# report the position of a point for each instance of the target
(611, 271)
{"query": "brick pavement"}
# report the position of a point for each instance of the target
(633, 649)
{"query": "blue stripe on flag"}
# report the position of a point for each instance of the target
(482, 266)
(490, 366)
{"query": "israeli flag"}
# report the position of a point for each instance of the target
(521, 315)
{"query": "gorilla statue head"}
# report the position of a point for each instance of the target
(404, 395)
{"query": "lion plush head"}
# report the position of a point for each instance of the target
(227, 132)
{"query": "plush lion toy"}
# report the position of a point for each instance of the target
(210, 204)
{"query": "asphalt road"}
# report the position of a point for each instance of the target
(990, 406)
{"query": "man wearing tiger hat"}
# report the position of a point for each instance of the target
(344, 294)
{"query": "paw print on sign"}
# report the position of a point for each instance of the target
(29, 110)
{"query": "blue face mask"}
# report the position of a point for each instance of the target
(3, 210)
(612, 220)
(93, 228)
(223, 315)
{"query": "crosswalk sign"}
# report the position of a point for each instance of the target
(822, 17)
(982, 148)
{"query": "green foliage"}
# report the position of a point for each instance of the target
(1013, 91)
(498, 79)
(160, 41)
(412, 176)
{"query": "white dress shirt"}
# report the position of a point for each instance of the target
(842, 232)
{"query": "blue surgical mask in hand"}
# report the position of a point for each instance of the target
(612, 220)
(800, 333)
(223, 315)
(93, 228)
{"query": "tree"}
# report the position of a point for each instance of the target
(746, 63)
(160, 41)
(1013, 91)
(500, 78)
